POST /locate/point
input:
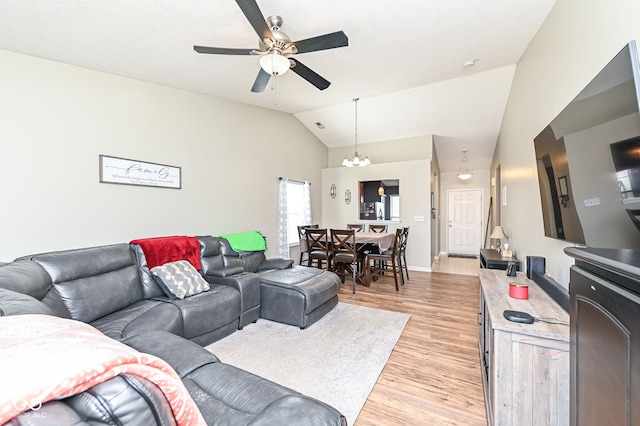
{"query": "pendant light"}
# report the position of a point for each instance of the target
(356, 160)
(465, 173)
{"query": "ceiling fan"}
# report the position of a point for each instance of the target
(277, 49)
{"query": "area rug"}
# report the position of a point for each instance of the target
(336, 360)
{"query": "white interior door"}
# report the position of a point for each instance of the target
(464, 221)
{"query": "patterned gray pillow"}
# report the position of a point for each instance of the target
(179, 279)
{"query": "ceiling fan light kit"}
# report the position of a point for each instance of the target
(277, 50)
(275, 64)
(465, 173)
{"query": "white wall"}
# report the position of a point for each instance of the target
(414, 148)
(576, 41)
(56, 119)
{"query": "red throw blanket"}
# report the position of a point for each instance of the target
(44, 358)
(161, 250)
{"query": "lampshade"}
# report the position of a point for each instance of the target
(275, 64)
(381, 190)
(356, 160)
(498, 233)
(465, 173)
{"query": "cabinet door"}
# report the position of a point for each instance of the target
(605, 345)
(485, 343)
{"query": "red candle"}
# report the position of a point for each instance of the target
(519, 290)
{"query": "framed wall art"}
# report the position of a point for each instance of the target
(124, 171)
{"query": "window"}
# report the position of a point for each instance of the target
(395, 207)
(295, 210)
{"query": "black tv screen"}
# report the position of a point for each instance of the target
(588, 161)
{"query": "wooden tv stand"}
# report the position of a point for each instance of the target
(525, 367)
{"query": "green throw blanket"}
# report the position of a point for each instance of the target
(246, 241)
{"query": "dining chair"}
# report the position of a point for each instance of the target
(358, 227)
(376, 264)
(345, 254)
(302, 239)
(318, 248)
(402, 255)
(377, 228)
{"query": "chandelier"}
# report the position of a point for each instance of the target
(356, 160)
(465, 173)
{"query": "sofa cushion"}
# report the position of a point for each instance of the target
(208, 311)
(179, 279)
(150, 286)
(250, 261)
(141, 317)
(82, 278)
(28, 289)
(212, 260)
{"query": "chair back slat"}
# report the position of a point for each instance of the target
(317, 239)
(397, 242)
(358, 227)
(343, 242)
(318, 247)
(301, 229)
(377, 228)
(304, 247)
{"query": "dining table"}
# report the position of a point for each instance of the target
(383, 240)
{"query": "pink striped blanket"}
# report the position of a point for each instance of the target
(43, 358)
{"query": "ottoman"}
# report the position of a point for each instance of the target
(299, 295)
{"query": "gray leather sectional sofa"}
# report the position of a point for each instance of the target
(112, 289)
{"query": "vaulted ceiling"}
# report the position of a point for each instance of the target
(405, 60)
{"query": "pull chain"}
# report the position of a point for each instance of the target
(274, 87)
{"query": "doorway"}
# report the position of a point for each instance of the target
(464, 221)
(435, 218)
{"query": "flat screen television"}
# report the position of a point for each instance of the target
(588, 161)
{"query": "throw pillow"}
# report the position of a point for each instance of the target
(179, 279)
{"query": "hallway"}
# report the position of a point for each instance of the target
(456, 265)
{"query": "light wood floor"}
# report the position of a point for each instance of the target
(456, 265)
(433, 374)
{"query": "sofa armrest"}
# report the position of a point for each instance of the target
(288, 410)
(248, 285)
(225, 272)
(276, 263)
(181, 354)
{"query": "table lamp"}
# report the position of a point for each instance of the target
(498, 234)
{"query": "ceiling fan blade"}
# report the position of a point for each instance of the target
(254, 16)
(261, 81)
(310, 75)
(222, 50)
(323, 42)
